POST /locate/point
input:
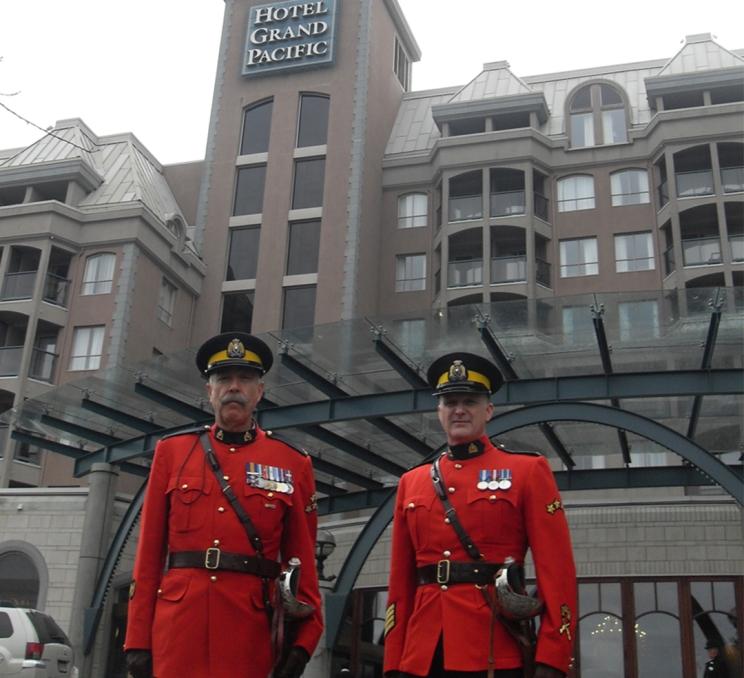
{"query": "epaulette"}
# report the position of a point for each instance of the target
(194, 430)
(274, 436)
(527, 452)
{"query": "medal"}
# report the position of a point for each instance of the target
(493, 484)
(482, 482)
(505, 481)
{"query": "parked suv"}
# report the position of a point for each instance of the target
(33, 646)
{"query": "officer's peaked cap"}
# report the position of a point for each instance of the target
(234, 349)
(464, 373)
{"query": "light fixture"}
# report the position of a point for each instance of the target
(325, 544)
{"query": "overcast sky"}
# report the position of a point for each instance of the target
(147, 66)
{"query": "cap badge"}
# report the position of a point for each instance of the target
(458, 371)
(235, 349)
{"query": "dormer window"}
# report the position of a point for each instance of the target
(597, 116)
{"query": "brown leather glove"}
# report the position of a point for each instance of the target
(545, 671)
(139, 663)
(293, 664)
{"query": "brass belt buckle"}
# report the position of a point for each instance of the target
(212, 558)
(443, 571)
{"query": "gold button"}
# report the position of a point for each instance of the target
(221, 509)
(451, 490)
(226, 477)
(492, 498)
(213, 578)
(444, 587)
(232, 449)
(446, 554)
(447, 520)
(160, 591)
(271, 494)
(184, 486)
(411, 505)
(216, 542)
(458, 465)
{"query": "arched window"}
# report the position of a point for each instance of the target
(629, 187)
(19, 580)
(99, 274)
(256, 128)
(597, 115)
(412, 210)
(312, 129)
(575, 193)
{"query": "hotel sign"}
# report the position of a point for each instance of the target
(289, 34)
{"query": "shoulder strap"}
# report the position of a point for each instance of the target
(451, 514)
(248, 525)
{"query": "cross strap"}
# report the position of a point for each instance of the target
(451, 514)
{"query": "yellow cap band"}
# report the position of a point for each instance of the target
(248, 356)
(472, 376)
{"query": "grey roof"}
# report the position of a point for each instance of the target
(414, 130)
(128, 172)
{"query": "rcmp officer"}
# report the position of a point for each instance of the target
(455, 524)
(210, 614)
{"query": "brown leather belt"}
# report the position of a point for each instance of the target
(216, 559)
(455, 572)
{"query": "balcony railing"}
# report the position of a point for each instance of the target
(732, 179)
(541, 206)
(18, 285)
(668, 257)
(507, 203)
(464, 207)
(10, 360)
(56, 289)
(42, 365)
(508, 269)
(737, 247)
(542, 272)
(691, 184)
(465, 273)
(700, 251)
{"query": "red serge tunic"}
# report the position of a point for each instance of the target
(212, 623)
(502, 523)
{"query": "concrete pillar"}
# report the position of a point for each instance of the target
(99, 512)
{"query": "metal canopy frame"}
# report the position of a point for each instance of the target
(389, 396)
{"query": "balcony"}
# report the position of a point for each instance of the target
(18, 285)
(56, 290)
(465, 273)
(732, 179)
(508, 269)
(693, 184)
(507, 203)
(10, 360)
(737, 247)
(701, 251)
(541, 207)
(542, 272)
(465, 207)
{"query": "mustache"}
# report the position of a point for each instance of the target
(233, 398)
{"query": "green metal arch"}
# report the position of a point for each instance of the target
(525, 416)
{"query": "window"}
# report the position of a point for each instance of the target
(597, 116)
(402, 66)
(629, 187)
(242, 258)
(304, 245)
(249, 190)
(577, 324)
(299, 307)
(638, 320)
(313, 127)
(87, 348)
(575, 193)
(99, 274)
(634, 252)
(19, 582)
(308, 183)
(166, 301)
(410, 272)
(412, 210)
(579, 257)
(256, 128)
(237, 312)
